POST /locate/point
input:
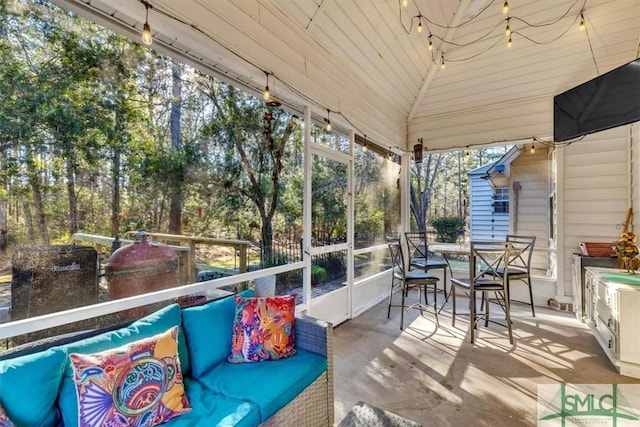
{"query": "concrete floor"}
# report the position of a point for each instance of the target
(437, 377)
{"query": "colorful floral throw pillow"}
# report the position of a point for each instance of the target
(138, 384)
(4, 420)
(263, 329)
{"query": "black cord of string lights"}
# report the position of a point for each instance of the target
(488, 34)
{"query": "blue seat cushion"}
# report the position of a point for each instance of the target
(29, 387)
(271, 385)
(208, 329)
(148, 326)
(210, 409)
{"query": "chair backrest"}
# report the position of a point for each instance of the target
(395, 252)
(417, 244)
(487, 258)
(523, 251)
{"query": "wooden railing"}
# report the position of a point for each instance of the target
(190, 242)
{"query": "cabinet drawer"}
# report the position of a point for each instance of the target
(608, 337)
(605, 313)
(605, 293)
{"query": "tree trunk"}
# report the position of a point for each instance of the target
(115, 193)
(266, 235)
(4, 208)
(421, 187)
(71, 194)
(175, 209)
(38, 199)
(28, 220)
(115, 175)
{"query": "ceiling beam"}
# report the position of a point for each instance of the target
(319, 11)
(457, 18)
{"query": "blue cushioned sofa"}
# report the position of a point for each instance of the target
(37, 388)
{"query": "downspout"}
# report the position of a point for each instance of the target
(516, 190)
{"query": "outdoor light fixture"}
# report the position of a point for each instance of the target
(265, 94)
(442, 63)
(582, 24)
(419, 23)
(505, 7)
(327, 121)
(533, 149)
(430, 44)
(417, 151)
(147, 39)
(507, 30)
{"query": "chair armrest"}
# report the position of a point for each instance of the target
(314, 335)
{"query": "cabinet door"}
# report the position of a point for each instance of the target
(628, 313)
(588, 298)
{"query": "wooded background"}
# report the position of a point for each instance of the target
(101, 134)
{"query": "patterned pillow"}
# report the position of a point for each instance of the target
(263, 329)
(4, 419)
(138, 384)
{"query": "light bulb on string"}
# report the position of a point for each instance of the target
(507, 30)
(405, 3)
(582, 24)
(505, 8)
(442, 65)
(533, 149)
(510, 42)
(327, 121)
(419, 23)
(266, 94)
(430, 44)
(147, 39)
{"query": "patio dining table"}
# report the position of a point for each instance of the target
(447, 250)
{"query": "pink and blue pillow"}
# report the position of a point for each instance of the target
(263, 329)
(4, 419)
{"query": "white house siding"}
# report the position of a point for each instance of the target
(484, 224)
(596, 193)
(531, 170)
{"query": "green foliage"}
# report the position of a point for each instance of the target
(318, 274)
(448, 228)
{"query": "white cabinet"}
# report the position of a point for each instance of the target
(612, 311)
(580, 262)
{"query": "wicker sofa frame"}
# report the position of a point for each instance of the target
(313, 407)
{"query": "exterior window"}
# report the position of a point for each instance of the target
(501, 200)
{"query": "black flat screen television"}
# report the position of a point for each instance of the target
(607, 101)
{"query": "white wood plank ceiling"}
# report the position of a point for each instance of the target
(358, 59)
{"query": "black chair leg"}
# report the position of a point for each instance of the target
(404, 290)
(533, 310)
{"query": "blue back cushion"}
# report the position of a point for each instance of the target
(153, 324)
(29, 387)
(208, 330)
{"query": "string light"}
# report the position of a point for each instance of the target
(442, 62)
(147, 39)
(327, 121)
(508, 30)
(266, 94)
(533, 149)
(405, 3)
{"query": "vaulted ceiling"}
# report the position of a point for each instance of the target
(365, 61)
